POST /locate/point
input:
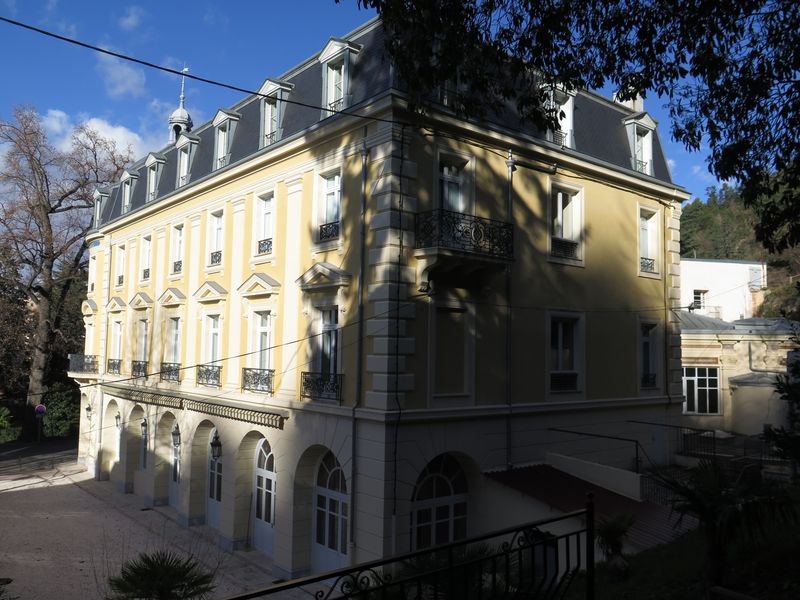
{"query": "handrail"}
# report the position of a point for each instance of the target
(608, 437)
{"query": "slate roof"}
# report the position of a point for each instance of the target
(597, 123)
(697, 322)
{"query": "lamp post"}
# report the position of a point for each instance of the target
(88, 410)
(118, 420)
(144, 427)
(216, 447)
(176, 436)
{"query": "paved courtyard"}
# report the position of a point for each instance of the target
(63, 533)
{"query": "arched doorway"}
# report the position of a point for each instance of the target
(264, 480)
(135, 451)
(175, 467)
(331, 512)
(108, 460)
(163, 459)
(439, 504)
(197, 450)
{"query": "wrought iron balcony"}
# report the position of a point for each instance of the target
(113, 366)
(563, 382)
(329, 231)
(270, 138)
(648, 380)
(258, 380)
(643, 166)
(183, 180)
(209, 374)
(83, 363)
(336, 105)
(120, 280)
(647, 265)
(216, 257)
(170, 371)
(560, 137)
(321, 386)
(564, 248)
(466, 233)
(145, 274)
(177, 266)
(139, 368)
(222, 161)
(265, 246)
(151, 196)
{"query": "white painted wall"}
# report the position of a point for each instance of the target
(730, 295)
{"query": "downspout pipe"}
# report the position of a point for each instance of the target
(510, 163)
(359, 343)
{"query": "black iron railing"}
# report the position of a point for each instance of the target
(138, 368)
(270, 138)
(564, 248)
(560, 137)
(563, 382)
(183, 180)
(83, 363)
(647, 265)
(527, 561)
(113, 366)
(336, 105)
(648, 380)
(258, 380)
(691, 441)
(588, 434)
(177, 266)
(145, 274)
(321, 386)
(265, 246)
(329, 231)
(458, 231)
(170, 371)
(222, 161)
(643, 166)
(209, 374)
(120, 279)
(216, 257)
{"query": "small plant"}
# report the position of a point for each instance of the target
(5, 417)
(611, 533)
(162, 575)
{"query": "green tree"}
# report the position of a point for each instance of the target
(162, 575)
(727, 70)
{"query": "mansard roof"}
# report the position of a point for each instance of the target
(598, 123)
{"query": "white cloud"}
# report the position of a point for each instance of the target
(11, 6)
(120, 78)
(51, 6)
(56, 123)
(60, 127)
(132, 18)
(67, 29)
(671, 164)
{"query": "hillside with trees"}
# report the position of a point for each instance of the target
(723, 227)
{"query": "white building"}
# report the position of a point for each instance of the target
(723, 289)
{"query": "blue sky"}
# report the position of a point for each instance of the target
(226, 42)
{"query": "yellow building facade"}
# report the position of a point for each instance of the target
(314, 322)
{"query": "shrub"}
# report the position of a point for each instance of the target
(63, 408)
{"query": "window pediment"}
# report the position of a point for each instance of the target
(185, 140)
(154, 159)
(323, 276)
(210, 291)
(641, 119)
(335, 48)
(127, 174)
(116, 304)
(225, 115)
(271, 87)
(259, 284)
(141, 300)
(171, 297)
(88, 307)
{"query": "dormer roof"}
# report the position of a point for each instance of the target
(225, 115)
(336, 47)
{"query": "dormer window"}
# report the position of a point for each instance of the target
(563, 103)
(641, 129)
(224, 124)
(273, 93)
(154, 166)
(185, 154)
(127, 182)
(99, 200)
(336, 59)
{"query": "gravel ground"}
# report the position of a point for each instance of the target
(62, 534)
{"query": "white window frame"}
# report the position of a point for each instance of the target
(578, 360)
(126, 195)
(466, 179)
(321, 212)
(654, 341)
(145, 258)
(555, 220)
(272, 124)
(152, 182)
(91, 277)
(467, 395)
(173, 340)
(334, 95)
(222, 145)
(142, 335)
(695, 381)
(212, 338)
(328, 330)
(649, 236)
(264, 222)
(119, 266)
(450, 501)
(699, 298)
(336, 53)
(563, 101)
(177, 243)
(116, 339)
(216, 235)
(262, 356)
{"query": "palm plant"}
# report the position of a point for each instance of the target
(162, 575)
(728, 508)
(611, 533)
(5, 417)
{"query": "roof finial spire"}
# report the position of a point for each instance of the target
(180, 121)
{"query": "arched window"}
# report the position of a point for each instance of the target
(331, 505)
(439, 504)
(265, 483)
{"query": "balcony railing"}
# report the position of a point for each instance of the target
(113, 366)
(643, 166)
(563, 382)
(83, 363)
(329, 231)
(647, 265)
(183, 180)
(216, 257)
(120, 279)
(457, 231)
(145, 274)
(336, 105)
(170, 371)
(648, 380)
(258, 380)
(222, 161)
(321, 386)
(209, 374)
(177, 266)
(139, 368)
(270, 138)
(564, 248)
(560, 137)
(265, 246)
